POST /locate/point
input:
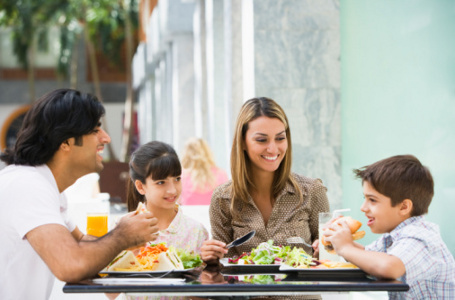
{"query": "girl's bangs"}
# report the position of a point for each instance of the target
(164, 167)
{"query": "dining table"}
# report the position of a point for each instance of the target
(236, 282)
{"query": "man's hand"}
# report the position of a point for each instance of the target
(72, 257)
(137, 229)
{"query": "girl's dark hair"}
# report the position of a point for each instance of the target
(156, 159)
(53, 118)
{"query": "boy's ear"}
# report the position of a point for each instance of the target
(406, 207)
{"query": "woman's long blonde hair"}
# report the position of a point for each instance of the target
(240, 162)
(198, 160)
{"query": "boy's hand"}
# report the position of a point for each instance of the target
(339, 234)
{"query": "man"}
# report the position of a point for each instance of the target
(61, 139)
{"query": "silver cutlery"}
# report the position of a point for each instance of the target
(241, 240)
(297, 240)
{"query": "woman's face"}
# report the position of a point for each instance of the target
(162, 193)
(266, 143)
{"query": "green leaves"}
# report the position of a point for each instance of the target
(32, 19)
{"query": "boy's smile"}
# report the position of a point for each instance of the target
(382, 216)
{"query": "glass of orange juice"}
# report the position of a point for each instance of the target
(97, 224)
(97, 218)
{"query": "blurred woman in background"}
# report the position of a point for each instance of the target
(200, 174)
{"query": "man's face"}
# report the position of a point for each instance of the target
(87, 155)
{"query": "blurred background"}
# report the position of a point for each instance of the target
(359, 80)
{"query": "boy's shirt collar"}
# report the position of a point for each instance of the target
(389, 237)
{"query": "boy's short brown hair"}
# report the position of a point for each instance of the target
(401, 177)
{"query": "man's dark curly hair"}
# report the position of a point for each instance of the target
(53, 118)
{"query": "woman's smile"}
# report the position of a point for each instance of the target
(270, 158)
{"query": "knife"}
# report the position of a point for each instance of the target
(241, 240)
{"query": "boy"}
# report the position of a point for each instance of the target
(398, 191)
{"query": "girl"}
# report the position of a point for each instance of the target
(155, 172)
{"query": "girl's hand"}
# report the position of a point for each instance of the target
(212, 251)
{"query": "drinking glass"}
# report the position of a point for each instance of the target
(97, 219)
(324, 219)
(96, 224)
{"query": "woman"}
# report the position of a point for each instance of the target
(263, 194)
(200, 174)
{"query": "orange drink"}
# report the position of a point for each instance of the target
(97, 224)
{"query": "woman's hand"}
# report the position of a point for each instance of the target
(315, 246)
(212, 251)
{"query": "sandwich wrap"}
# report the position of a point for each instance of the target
(126, 260)
(167, 261)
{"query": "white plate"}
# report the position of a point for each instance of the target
(333, 274)
(252, 268)
(138, 281)
(287, 268)
(156, 273)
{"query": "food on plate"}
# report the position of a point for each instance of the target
(125, 260)
(189, 259)
(148, 255)
(155, 257)
(264, 254)
(329, 264)
(168, 260)
(268, 254)
(354, 226)
(298, 258)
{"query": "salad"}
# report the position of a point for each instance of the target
(189, 259)
(268, 254)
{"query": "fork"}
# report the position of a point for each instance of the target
(297, 240)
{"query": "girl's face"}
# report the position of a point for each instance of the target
(266, 143)
(162, 193)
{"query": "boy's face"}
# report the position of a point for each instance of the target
(382, 217)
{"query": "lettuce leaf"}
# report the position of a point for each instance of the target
(189, 259)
